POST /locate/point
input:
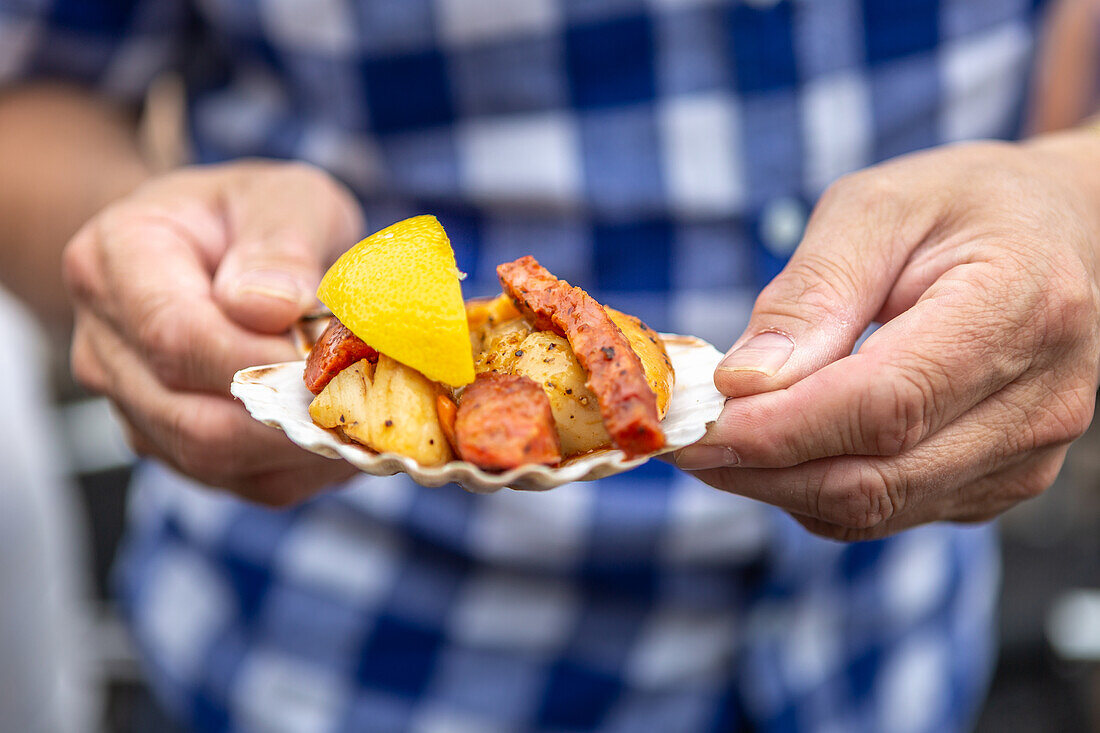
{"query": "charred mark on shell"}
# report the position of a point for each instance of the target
(608, 352)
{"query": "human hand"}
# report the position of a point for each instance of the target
(195, 275)
(981, 262)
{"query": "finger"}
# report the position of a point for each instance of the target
(156, 294)
(812, 313)
(290, 486)
(274, 488)
(861, 493)
(914, 375)
(981, 501)
(139, 443)
(995, 494)
(287, 226)
(210, 438)
(83, 361)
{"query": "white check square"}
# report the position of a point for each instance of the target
(323, 26)
(533, 528)
(702, 155)
(836, 121)
(681, 647)
(981, 76)
(277, 693)
(467, 21)
(509, 612)
(521, 158)
(340, 555)
(185, 606)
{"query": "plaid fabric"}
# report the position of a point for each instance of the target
(665, 155)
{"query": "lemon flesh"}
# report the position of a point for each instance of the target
(399, 291)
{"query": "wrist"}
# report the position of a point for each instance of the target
(1073, 157)
(1074, 153)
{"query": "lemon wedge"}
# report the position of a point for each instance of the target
(399, 291)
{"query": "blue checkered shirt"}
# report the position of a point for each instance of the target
(661, 153)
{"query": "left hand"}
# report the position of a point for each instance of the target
(981, 262)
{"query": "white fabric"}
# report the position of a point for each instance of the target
(45, 683)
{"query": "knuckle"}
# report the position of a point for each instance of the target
(870, 187)
(1064, 418)
(812, 289)
(861, 499)
(1032, 485)
(339, 201)
(78, 263)
(1029, 484)
(875, 190)
(310, 179)
(893, 416)
(863, 185)
(1042, 476)
(307, 172)
(120, 217)
(85, 367)
(763, 447)
(1072, 305)
(166, 341)
(813, 438)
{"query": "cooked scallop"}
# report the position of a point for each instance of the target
(501, 346)
(547, 359)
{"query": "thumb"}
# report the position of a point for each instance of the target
(836, 282)
(287, 224)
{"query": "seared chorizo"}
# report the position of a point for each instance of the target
(504, 421)
(615, 374)
(337, 349)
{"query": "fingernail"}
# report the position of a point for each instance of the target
(269, 283)
(698, 457)
(765, 353)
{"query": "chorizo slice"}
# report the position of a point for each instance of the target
(504, 421)
(615, 374)
(336, 350)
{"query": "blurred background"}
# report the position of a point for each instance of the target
(1047, 678)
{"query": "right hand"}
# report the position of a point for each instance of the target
(193, 276)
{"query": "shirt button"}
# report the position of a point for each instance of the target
(782, 223)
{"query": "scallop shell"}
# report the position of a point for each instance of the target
(276, 396)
